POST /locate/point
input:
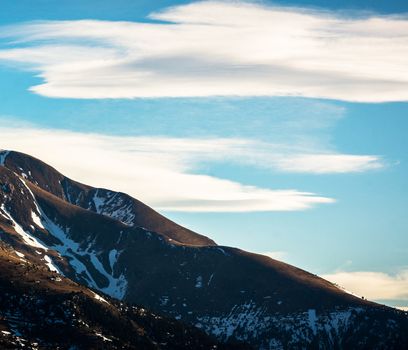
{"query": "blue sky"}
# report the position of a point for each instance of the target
(277, 141)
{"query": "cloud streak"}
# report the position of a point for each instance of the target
(373, 285)
(164, 171)
(155, 170)
(218, 48)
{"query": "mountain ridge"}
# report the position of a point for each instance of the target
(50, 180)
(229, 293)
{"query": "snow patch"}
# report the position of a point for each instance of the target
(113, 258)
(114, 206)
(21, 255)
(117, 286)
(81, 269)
(98, 201)
(69, 248)
(199, 282)
(51, 265)
(103, 337)
(99, 298)
(249, 321)
(37, 220)
(27, 238)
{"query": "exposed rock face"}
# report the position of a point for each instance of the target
(116, 245)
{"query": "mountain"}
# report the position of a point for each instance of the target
(116, 245)
(119, 206)
(40, 309)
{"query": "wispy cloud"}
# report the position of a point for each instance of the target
(218, 48)
(301, 159)
(156, 170)
(326, 163)
(373, 285)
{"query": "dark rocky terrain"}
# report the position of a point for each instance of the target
(40, 309)
(118, 246)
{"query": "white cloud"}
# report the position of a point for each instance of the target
(165, 171)
(327, 163)
(155, 170)
(373, 285)
(218, 48)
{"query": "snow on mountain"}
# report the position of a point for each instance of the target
(41, 310)
(112, 243)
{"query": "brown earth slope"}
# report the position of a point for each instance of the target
(40, 309)
(91, 236)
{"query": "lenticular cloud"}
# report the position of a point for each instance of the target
(215, 48)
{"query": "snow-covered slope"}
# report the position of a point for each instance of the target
(92, 236)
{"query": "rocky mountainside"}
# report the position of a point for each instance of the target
(40, 309)
(119, 206)
(118, 246)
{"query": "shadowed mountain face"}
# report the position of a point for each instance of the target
(40, 309)
(116, 245)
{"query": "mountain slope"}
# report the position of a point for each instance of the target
(227, 292)
(119, 206)
(41, 310)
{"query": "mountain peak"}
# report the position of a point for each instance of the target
(117, 205)
(94, 237)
